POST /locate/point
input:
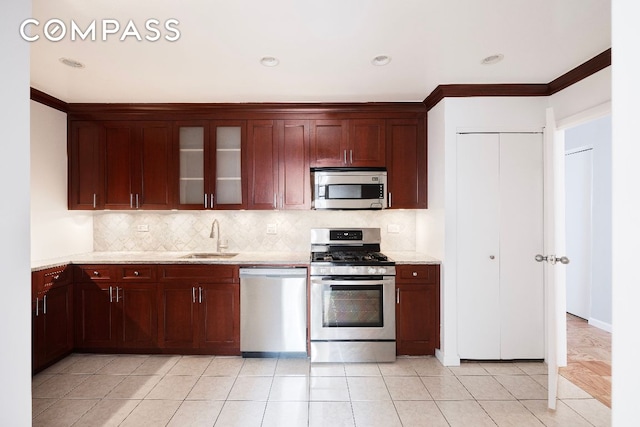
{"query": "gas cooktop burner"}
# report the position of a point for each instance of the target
(349, 257)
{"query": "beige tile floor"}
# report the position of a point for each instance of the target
(133, 390)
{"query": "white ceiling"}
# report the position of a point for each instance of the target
(325, 48)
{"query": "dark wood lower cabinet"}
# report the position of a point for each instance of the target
(116, 316)
(417, 309)
(52, 316)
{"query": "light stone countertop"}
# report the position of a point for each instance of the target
(243, 258)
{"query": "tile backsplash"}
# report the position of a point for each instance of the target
(244, 230)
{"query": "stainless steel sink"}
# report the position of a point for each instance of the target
(210, 255)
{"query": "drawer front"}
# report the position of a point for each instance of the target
(94, 273)
(417, 273)
(209, 273)
(136, 273)
(56, 276)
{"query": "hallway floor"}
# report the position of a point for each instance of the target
(588, 358)
(144, 390)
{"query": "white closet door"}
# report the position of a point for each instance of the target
(478, 220)
(521, 238)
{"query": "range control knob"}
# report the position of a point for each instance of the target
(371, 270)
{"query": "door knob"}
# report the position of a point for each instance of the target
(552, 259)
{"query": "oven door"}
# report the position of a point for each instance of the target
(352, 308)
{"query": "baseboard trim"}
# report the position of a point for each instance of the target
(600, 324)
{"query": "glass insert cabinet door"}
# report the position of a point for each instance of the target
(211, 165)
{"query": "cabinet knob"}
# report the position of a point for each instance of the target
(415, 274)
(56, 277)
(136, 273)
(492, 257)
(96, 273)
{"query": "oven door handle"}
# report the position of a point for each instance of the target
(351, 282)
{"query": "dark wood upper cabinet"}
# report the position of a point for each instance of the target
(212, 158)
(228, 156)
(278, 158)
(329, 140)
(346, 143)
(86, 165)
(366, 143)
(407, 163)
(120, 165)
(138, 165)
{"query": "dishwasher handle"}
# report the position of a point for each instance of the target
(273, 272)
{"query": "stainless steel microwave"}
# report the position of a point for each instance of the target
(349, 188)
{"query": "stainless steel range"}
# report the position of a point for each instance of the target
(352, 307)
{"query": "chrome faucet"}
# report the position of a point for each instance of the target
(215, 233)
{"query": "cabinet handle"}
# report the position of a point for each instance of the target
(94, 200)
(212, 199)
(137, 201)
(200, 295)
(345, 157)
(56, 277)
(397, 295)
(96, 273)
(205, 201)
(37, 307)
(275, 201)
(389, 199)
(282, 201)
(117, 294)
(351, 156)
(131, 200)
(110, 294)
(193, 294)
(44, 304)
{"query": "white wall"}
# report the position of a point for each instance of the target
(596, 134)
(625, 224)
(15, 303)
(450, 116)
(55, 231)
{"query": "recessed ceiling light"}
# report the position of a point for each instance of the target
(492, 59)
(381, 60)
(72, 63)
(269, 61)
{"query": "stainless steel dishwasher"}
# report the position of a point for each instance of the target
(273, 312)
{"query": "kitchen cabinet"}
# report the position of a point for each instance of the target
(417, 309)
(278, 159)
(86, 165)
(348, 143)
(500, 288)
(116, 307)
(407, 163)
(199, 309)
(52, 316)
(138, 169)
(212, 172)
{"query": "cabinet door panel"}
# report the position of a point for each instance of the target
(263, 164)
(417, 319)
(295, 186)
(95, 317)
(154, 172)
(328, 142)
(177, 316)
(138, 310)
(220, 318)
(86, 163)
(119, 160)
(366, 143)
(57, 318)
(407, 164)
